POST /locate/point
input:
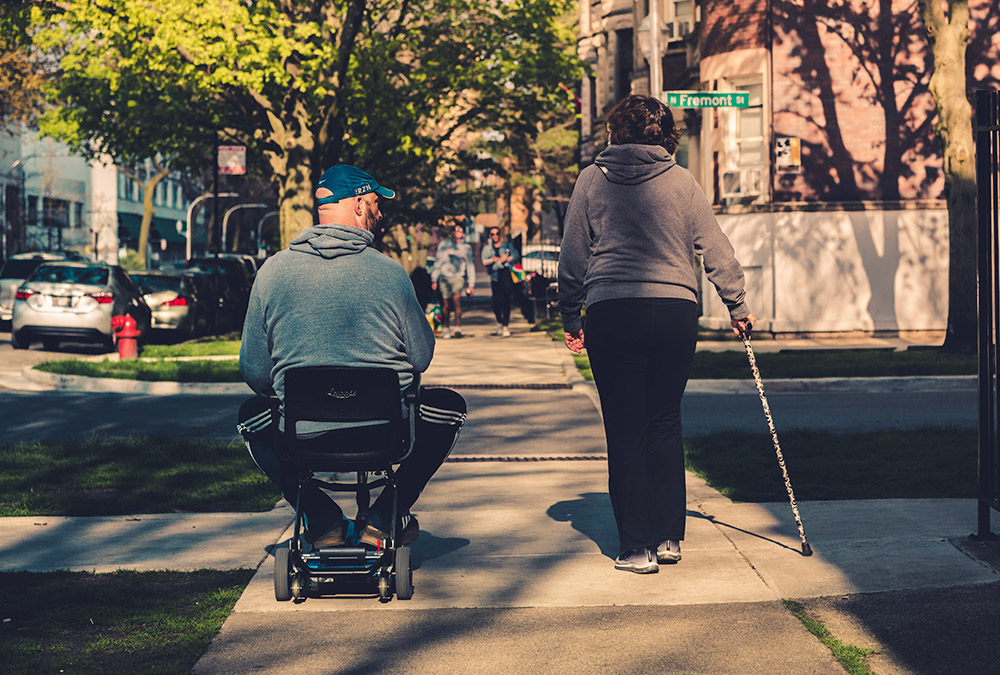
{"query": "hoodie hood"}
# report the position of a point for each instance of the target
(631, 164)
(332, 241)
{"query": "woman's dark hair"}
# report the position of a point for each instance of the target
(644, 120)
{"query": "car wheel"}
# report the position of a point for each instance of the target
(19, 341)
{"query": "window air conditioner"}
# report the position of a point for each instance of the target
(677, 30)
(740, 183)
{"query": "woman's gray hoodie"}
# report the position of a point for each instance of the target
(633, 226)
(330, 299)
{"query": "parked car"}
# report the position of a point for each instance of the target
(18, 268)
(225, 311)
(176, 305)
(74, 301)
(234, 278)
(541, 259)
(249, 263)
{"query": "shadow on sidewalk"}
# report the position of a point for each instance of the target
(712, 519)
(592, 516)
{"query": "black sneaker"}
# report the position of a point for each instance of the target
(640, 561)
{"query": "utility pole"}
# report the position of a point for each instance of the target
(655, 63)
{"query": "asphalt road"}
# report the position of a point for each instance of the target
(36, 415)
(32, 415)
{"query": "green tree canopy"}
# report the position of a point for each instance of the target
(304, 84)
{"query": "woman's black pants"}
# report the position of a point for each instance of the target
(641, 351)
(503, 292)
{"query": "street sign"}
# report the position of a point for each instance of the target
(233, 159)
(708, 99)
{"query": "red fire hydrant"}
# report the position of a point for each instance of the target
(127, 332)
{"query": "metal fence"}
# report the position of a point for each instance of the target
(987, 173)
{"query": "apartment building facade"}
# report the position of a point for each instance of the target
(829, 180)
(51, 199)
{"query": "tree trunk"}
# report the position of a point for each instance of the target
(148, 210)
(292, 165)
(948, 34)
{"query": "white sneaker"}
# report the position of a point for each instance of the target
(458, 332)
(446, 334)
(640, 561)
(668, 551)
(505, 332)
(499, 330)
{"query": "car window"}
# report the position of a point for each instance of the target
(19, 269)
(155, 283)
(89, 276)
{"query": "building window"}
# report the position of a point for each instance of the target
(56, 212)
(683, 10)
(77, 214)
(31, 217)
(750, 127)
(745, 158)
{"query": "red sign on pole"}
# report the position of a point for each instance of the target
(233, 159)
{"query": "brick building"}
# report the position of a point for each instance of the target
(830, 181)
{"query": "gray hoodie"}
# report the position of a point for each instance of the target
(633, 226)
(330, 299)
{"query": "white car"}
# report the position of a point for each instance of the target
(74, 301)
(16, 270)
(542, 259)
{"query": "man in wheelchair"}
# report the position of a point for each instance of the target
(331, 299)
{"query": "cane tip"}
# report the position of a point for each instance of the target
(806, 548)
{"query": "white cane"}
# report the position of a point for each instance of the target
(806, 548)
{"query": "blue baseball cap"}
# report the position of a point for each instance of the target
(344, 181)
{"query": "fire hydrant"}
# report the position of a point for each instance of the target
(127, 332)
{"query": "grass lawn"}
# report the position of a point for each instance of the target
(151, 371)
(922, 463)
(201, 347)
(832, 363)
(873, 362)
(96, 477)
(126, 622)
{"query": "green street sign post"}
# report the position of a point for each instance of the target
(708, 99)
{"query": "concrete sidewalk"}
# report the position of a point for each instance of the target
(513, 568)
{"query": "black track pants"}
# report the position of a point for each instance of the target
(503, 293)
(641, 351)
(441, 416)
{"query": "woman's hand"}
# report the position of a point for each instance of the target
(743, 326)
(574, 341)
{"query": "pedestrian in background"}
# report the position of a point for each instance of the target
(454, 273)
(498, 257)
(633, 226)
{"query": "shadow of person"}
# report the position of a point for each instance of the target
(591, 516)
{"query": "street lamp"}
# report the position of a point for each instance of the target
(652, 42)
(190, 211)
(260, 230)
(229, 212)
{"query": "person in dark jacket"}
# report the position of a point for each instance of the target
(633, 226)
(498, 258)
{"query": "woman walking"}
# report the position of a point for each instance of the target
(498, 257)
(633, 226)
